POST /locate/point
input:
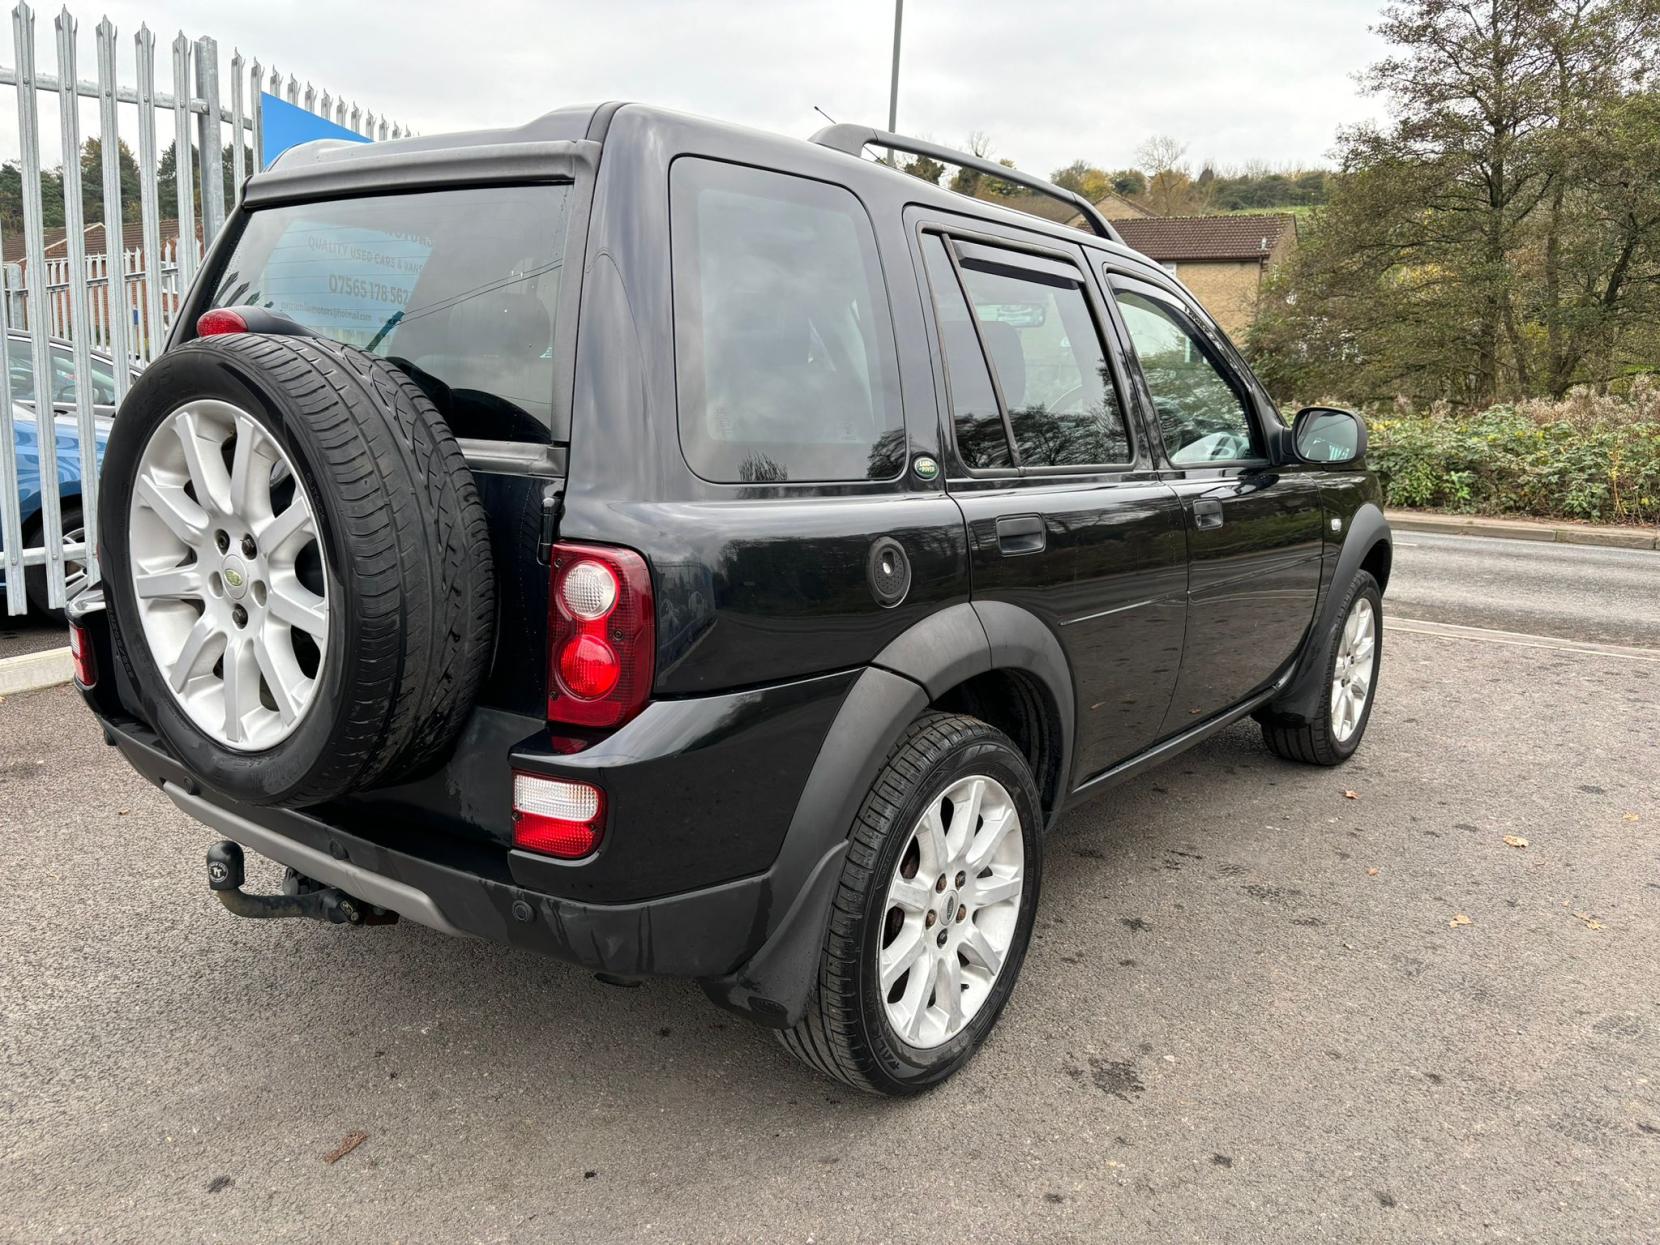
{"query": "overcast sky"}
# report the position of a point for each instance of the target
(1049, 80)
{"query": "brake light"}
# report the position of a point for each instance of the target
(80, 648)
(220, 320)
(603, 635)
(556, 817)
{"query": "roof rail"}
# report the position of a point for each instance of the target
(853, 139)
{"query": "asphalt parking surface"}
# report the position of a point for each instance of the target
(1247, 1017)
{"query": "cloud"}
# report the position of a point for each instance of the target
(1049, 80)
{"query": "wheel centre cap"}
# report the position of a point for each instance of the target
(948, 909)
(235, 575)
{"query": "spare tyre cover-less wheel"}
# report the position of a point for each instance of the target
(298, 565)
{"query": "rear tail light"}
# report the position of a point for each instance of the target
(604, 635)
(556, 817)
(80, 648)
(220, 320)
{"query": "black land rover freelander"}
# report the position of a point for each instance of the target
(685, 550)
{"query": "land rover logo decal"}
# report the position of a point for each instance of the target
(925, 467)
(233, 578)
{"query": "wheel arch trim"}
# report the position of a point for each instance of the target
(1305, 695)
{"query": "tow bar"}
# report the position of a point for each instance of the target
(226, 875)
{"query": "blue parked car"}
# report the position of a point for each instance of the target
(21, 367)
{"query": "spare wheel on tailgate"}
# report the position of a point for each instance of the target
(300, 568)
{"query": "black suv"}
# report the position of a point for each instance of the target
(685, 550)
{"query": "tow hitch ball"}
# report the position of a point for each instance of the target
(226, 875)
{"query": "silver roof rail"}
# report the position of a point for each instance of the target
(853, 139)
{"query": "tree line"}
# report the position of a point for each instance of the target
(1162, 181)
(92, 187)
(1498, 236)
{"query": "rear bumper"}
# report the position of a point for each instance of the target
(700, 934)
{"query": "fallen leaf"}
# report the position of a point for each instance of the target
(1351, 795)
(1590, 921)
(1632, 817)
(348, 1143)
(1459, 919)
(1371, 873)
(1515, 840)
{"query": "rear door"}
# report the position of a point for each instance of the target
(1254, 529)
(1067, 516)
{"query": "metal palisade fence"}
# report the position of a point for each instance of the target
(88, 304)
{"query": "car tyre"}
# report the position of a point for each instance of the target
(990, 843)
(1332, 737)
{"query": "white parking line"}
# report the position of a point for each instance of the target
(1449, 631)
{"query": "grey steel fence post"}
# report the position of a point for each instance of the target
(115, 241)
(209, 144)
(149, 209)
(182, 158)
(256, 105)
(34, 247)
(239, 164)
(80, 320)
(11, 505)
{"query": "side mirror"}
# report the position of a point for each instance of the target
(1325, 436)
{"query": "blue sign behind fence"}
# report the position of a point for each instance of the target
(288, 125)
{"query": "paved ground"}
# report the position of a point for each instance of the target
(27, 634)
(1247, 1017)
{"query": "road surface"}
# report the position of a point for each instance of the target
(1579, 592)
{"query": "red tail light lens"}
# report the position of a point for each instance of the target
(80, 648)
(556, 817)
(220, 320)
(604, 635)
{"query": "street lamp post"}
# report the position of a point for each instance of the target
(893, 89)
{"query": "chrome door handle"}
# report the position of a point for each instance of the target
(1207, 513)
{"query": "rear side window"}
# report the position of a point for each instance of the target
(458, 287)
(981, 439)
(1032, 318)
(784, 350)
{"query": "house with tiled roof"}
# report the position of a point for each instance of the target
(1223, 260)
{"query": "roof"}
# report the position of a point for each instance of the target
(1237, 238)
(132, 239)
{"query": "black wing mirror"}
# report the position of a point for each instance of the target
(1325, 436)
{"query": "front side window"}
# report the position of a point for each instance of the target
(459, 288)
(784, 350)
(64, 387)
(1202, 416)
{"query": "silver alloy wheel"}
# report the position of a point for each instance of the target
(217, 569)
(1357, 661)
(951, 911)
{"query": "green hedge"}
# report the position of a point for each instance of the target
(1583, 458)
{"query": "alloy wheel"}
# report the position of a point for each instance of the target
(227, 570)
(1357, 657)
(951, 911)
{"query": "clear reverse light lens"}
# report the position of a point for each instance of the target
(589, 591)
(549, 797)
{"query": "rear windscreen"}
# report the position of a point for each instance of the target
(459, 288)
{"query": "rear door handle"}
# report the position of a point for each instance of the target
(1021, 533)
(1207, 513)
